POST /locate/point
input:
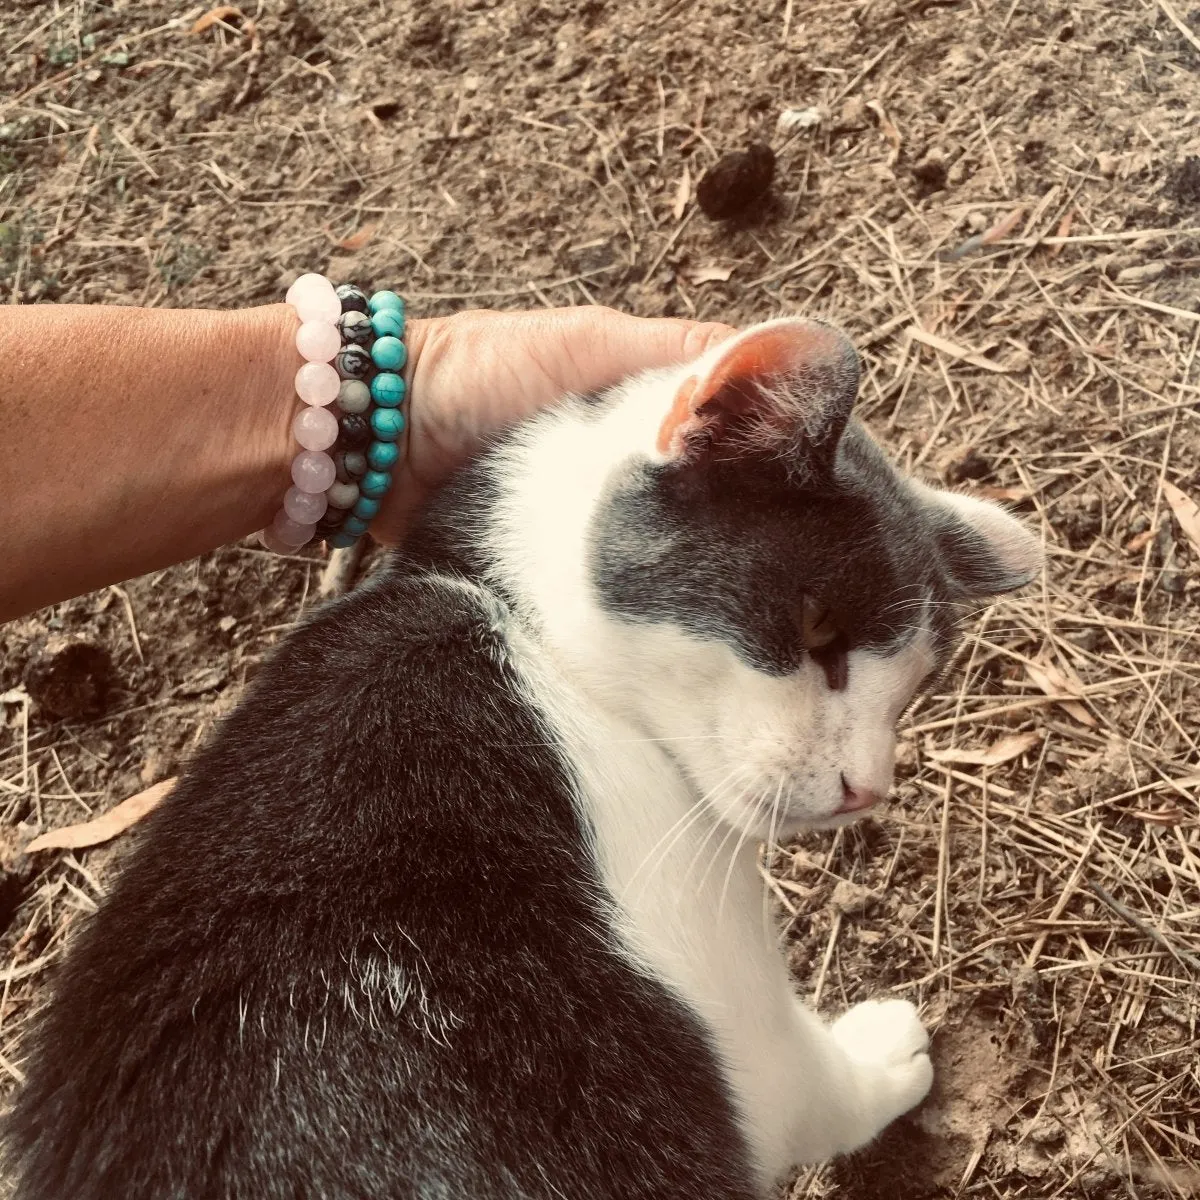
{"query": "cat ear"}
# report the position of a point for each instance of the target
(784, 388)
(986, 550)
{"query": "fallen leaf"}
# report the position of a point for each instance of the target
(1013, 495)
(105, 827)
(1186, 511)
(1064, 231)
(1002, 228)
(889, 130)
(1053, 682)
(1003, 750)
(1138, 542)
(221, 13)
(356, 241)
(713, 274)
(1160, 816)
(683, 193)
(955, 350)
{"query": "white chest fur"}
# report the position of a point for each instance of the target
(687, 903)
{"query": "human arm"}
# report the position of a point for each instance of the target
(132, 439)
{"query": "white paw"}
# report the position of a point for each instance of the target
(887, 1035)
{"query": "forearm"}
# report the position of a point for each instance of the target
(135, 438)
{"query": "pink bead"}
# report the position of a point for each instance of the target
(306, 508)
(308, 280)
(292, 533)
(317, 383)
(313, 471)
(317, 341)
(313, 298)
(315, 428)
(270, 539)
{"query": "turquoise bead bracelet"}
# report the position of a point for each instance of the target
(362, 341)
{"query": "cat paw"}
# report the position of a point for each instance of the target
(887, 1036)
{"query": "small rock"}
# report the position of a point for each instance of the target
(736, 181)
(1145, 273)
(850, 898)
(971, 465)
(798, 118)
(70, 678)
(930, 174)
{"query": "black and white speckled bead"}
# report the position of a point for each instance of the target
(356, 329)
(350, 465)
(355, 432)
(342, 496)
(353, 362)
(353, 299)
(330, 523)
(354, 396)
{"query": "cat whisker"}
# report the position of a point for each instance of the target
(741, 842)
(772, 830)
(676, 831)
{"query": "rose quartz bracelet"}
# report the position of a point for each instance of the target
(364, 338)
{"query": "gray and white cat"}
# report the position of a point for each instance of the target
(463, 899)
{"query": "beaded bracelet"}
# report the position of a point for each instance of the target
(354, 352)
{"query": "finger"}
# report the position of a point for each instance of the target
(632, 344)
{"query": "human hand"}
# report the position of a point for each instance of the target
(477, 373)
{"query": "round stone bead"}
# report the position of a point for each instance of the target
(385, 299)
(353, 299)
(312, 471)
(387, 424)
(353, 362)
(388, 322)
(383, 456)
(354, 525)
(342, 541)
(356, 432)
(375, 484)
(365, 509)
(342, 495)
(389, 354)
(304, 507)
(387, 388)
(315, 428)
(331, 522)
(317, 383)
(354, 396)
(350, 465)
(313, 298)
(355, 328)
(317, 341)
(292, 533)
(274, 543)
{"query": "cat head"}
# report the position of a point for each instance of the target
(722, 556)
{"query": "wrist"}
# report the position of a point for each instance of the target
(342, 432)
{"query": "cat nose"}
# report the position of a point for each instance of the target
(856, 799)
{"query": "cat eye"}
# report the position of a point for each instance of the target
(823, 640)
(817, 629)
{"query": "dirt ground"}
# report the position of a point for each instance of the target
(1036, 884)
